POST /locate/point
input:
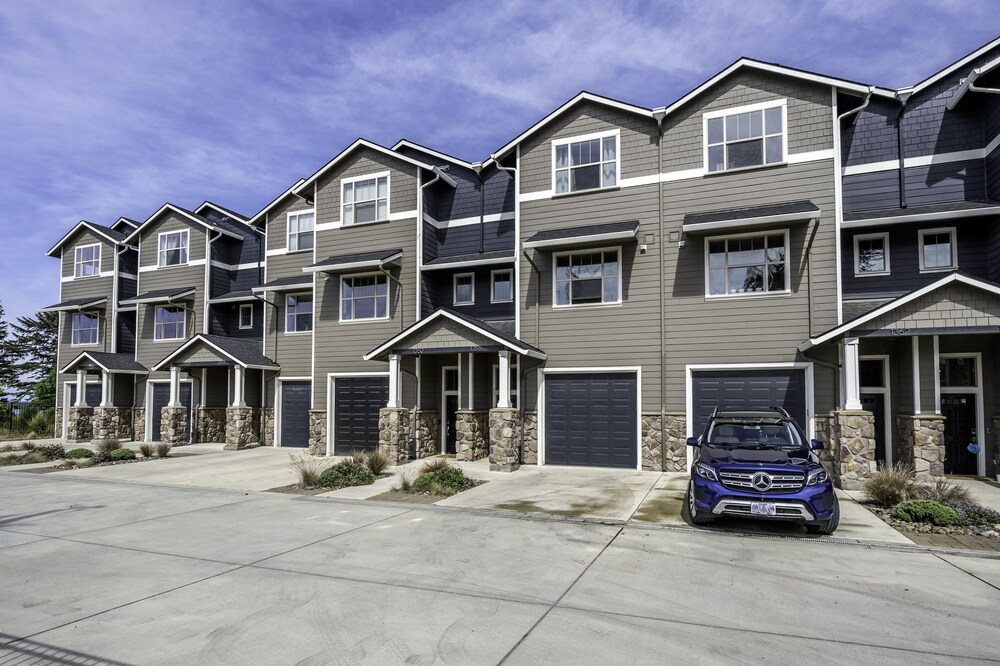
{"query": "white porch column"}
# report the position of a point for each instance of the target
(419, 387)
(916, 374)
(175, 387)
(238, 378)
(394, 382)
(81, 388)
(503, 399)
(852, 375)
(471, 397)
(105, 389)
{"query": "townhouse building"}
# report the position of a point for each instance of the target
(585, 296)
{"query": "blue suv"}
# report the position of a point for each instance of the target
(758, 464)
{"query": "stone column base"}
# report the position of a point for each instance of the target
(529, 454)
(394, 433)
(139, 424)
(267, 426)
(921, 444)
(317, 432)
(853, 433)
(79, 425)
(428, 431)
(112, 423)
(57, 426)
(242, 428)
(505, 440)
(471, 437)
(173, 425)
(210, 424)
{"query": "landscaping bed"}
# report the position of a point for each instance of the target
(109, 452)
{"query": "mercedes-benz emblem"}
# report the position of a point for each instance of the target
(761, 481)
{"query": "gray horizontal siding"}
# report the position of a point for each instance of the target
(440, 286)
(276, 225)
(363, 162)
(455, 241)
(94, 287)
(126, 333)
(170, 221)
(925, 185)
(86, 237)
(149, 351)
(292, 351)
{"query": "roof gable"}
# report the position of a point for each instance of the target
(260, 215)
(109, 234)
(955, 66)
(193, 218)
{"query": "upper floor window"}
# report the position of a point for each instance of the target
(298, 313)
(300, 231)
(871, 254)
(745, 137)
(364, 297)
(169, 322)
(585, 163)
(85, 328)
(246, 316)
(502, 289)
(938, 249)
(464, 289)
(588, 277)
(87, 260)
(173, 248)
(366, 199)
(749, 264)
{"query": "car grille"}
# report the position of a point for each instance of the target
(781, 482)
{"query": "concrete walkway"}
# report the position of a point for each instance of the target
(986, 493)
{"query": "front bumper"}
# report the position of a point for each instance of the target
(811, 503)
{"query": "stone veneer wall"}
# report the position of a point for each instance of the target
(471, 435)
(80, 424)
(920, 442)
(317, 432)
(652, 444)
(139, 424)
(173, 425)
(428, 434)
(242, 428)
(112, 423)
(853, 431)
(505, 439)
(824, 433)
(394, 433)
(57, 426)
(529, 454)
(210, 424)
(267, 426)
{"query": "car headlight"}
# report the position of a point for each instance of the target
(816, 477)
(706, 472)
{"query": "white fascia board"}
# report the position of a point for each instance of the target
(750, 222)
(955, 66)
(263, 211)
(406, 143)
(581, 240)
(919, 217)
(76, 227)
(358, 143)
(182, 213)
(341, 268)
(471, 263)
(237, 299)
(186, 345)
(968, 81)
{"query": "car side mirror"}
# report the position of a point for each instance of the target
(693, 441)
(816, 445)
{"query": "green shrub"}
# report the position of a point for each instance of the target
(76, 454)
(889, 486)
(163, 450)
(436, 464)
(42, 422)
(972, 514)
(376, 461)
(122, 454)
(307, 468)
(32, 457)
(106, 445)
(346, 473)
(446, 481)
(147, 450)
(925, 511)
(946, 491)
(405, 483)
(52, 451)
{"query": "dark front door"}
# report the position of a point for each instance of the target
(357, 402)
(591, 419)
(875, 403)
(161, 396)
(296, 398)
(450, 434)
(959, 410)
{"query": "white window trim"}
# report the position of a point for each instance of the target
(77, 263)
(388, 299)
(183, 323)
(510, 278)
(857, 255)
(72, 329)
(722, 113)
(602, 304)
(515, 386)
(187, 247)
(245, 307)
(388, 197)
(756, 294)
(454, 289)
(288, 233)
(299, 294)
(588, 137)
(954, 249)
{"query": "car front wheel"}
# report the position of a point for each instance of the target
(698, 517)
(828, 526)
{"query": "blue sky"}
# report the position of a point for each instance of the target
(111, 108)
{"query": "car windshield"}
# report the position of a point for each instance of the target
(753, 433)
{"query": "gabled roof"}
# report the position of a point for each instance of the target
(225, 211)
(109, 362)
(191, 216)
(245, 353)
(902, 300)
(113, 237)
(259, 215)
(413, 145)
(364, 143)
(583, 96)
(127, 223)
(346, 262)
(955, 66)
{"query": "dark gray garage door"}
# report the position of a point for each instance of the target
(591, 419)
(356, 405)
(93, 394)
(161, 396)
(747, 389)
(296, 398)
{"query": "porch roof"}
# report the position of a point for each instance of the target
(752, 216)
(108, 362)
(590, 233)
(285, 284)
(483, 336)
(348, 262)
(75, 304)
(159, 296)
(942, 307)
(204, 349)
(929, 213)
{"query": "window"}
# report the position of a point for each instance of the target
(746, 137)
(585, 163)
(938, 250)
(956, 371)
(514, 379)
(366, 199)
(246, 316)
(299, 313)
(85, 328)
(87, 261)
(871, 373)
(300, 231)
(173, 248)
(364, 297)
(502, 289)
(871, 254)
(587, 277)
(747, 264)
(169, 323)
(464, 289)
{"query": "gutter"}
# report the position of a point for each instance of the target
(659, 115)
(902, 96)
(399, 290)
(858, 110)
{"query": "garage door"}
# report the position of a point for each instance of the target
(296, 398)
(591, 419)
(356, 405)
(747, 389)
(161, 396)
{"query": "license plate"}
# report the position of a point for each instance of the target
(763, 509)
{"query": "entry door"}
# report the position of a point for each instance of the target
(959, 410)
(296, 397)
(161, 396)
(450, 400)
(875, 403)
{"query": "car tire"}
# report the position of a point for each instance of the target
(697, 517)
(828, 526)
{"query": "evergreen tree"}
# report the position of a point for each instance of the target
(6, 360)
(31, 353)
